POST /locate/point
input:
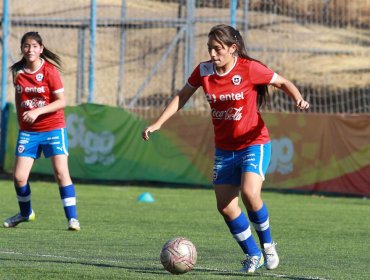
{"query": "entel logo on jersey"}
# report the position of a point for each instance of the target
(35, 89)
(212, 98)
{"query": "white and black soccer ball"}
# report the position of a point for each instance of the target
(178, 255)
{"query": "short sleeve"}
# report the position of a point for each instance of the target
(195, 79)
(55, 81)
(260, 74)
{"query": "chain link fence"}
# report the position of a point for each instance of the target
(145, 49)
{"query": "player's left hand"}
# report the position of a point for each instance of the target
(302, 104)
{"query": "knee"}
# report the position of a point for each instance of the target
(20, 180)
(62, 178)
(228, 212)
(61, 171)
(222, 210)
(251, 199)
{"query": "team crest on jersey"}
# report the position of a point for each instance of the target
(39, 77)
(236, 79)
(18, 88)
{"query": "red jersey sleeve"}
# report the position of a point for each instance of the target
(260, 74)
(195, 79)
(55, 81)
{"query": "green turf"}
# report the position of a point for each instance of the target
(318, 237)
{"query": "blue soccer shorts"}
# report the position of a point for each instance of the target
(51, 143)
(229, 165)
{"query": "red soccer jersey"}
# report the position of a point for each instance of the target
(37, 89)
(233, 101)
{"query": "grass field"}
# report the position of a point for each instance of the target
(318, 237)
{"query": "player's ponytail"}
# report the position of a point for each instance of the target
(227, 35)
(51, 57)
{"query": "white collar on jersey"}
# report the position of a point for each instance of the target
(31, 72)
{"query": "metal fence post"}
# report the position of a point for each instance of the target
(92, 50)
(189, 39)
(5, 24)
(245, 19)
(233, 6)
(4, 69)
(80, 84)
(122, 50)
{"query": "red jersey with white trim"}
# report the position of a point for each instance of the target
(233, 101)
(38, 89)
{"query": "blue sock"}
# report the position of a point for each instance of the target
(260, 221)
(241, 231)
(24, 199)
(68, 196)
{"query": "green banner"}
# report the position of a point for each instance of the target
(329, 153)
(105, 143)
(11, 138)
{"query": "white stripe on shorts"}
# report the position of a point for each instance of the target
(63, 141)
(244, 235)
(262, 227)
(69, 201)
(260, 163)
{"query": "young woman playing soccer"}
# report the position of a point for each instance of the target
(235, 85)
(39, 98)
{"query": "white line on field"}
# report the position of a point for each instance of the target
(273, 275)
(54, 256)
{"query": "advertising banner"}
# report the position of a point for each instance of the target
(105, 143)
(310, 152)
(320, 152)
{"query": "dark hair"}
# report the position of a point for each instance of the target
(228, 35)
(46, 54)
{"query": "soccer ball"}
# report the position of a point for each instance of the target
(178, 255)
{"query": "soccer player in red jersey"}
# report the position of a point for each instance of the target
(235, 85)
(39, 98)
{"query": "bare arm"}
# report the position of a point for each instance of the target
(289, 88)
(58, 103)
(177, 102)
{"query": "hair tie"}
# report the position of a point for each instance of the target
(236, 36)
(236, 39)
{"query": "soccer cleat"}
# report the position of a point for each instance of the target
(73, 224)
(271, 256)
(17, 219)
(252, 263)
